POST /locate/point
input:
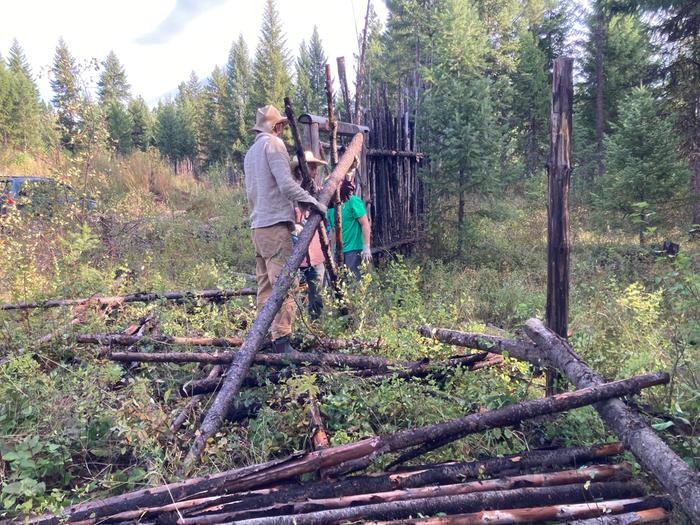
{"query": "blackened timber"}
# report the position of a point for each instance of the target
(394, 153)
(342, 77)
(501, 499)
(559, 180)
(261, 474)
(258, 332)
(600, 473)
(606, 512)
(655, 456)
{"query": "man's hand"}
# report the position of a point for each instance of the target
(366, 254)
(321, 208)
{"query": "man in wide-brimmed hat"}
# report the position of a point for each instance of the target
(272, 194)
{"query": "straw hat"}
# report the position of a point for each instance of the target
(310, 159)
(266, 118)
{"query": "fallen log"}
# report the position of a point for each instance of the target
(215, 373)
(601, 510)
(653, 515)
(171, 340)
(244, 359)
(523, 350)
(140, 297)
(432, 437)
(238, 479)
(463, 503)
(363, 362)
(599, 473)
(655, 456)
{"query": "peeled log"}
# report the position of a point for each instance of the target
(556, 513)
(128, 340)
(258, 332)
(682, 483)
(502, 499)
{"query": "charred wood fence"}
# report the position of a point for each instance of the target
(387, 180)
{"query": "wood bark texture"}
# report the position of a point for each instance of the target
(657, 458)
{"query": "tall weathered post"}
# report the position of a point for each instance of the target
(559, 177)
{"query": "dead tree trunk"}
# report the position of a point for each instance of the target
(682, 483)
(559, 176)
(244, 358)
(523, 350)
(128, 340)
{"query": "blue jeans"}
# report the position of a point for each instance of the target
(353, 259)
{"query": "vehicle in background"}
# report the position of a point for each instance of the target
(38, 195)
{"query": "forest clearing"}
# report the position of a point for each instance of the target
(518, 343)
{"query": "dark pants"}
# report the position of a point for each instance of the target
(353, 259)
(314, 283)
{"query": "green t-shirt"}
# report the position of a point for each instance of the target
(352, 210)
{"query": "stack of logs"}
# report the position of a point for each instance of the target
(536, 486)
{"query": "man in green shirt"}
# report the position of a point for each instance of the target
(356, 229)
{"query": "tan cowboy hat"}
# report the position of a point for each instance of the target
(310, 159)
(266, 118)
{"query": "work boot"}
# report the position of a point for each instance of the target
(281, 345)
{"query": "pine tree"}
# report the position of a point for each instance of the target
(214, 137)
(644, 170)
(112, 85)
(67, 95)
(17, 61)
(463, 126)
(311, 76)
(271, 78)
(21, 103)
(5, 123)
(189, 105)
(166, 132)
(119, 127)
(237, 104)
(142, 124)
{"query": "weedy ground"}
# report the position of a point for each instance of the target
(74, 425)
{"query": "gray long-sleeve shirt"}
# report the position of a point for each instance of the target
(269, 185)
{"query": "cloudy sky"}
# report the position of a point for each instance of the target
(159, 42)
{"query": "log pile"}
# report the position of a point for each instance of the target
(564, 484)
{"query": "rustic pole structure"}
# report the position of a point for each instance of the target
(333, 125)
(681, 482)
(258, 332)
(344, 87)
(311, 186)
(559, 176)
(361, 67)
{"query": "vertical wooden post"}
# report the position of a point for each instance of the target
(559, 176)
(361, 68)
(344, 87)
(337, 205)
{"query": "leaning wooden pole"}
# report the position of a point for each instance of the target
(342, 77)
(258, 332)
(681, 482)
(361, 67)
(337, 209)
(310, 185)
(559, 177)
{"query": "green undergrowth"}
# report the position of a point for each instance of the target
(74, 425)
